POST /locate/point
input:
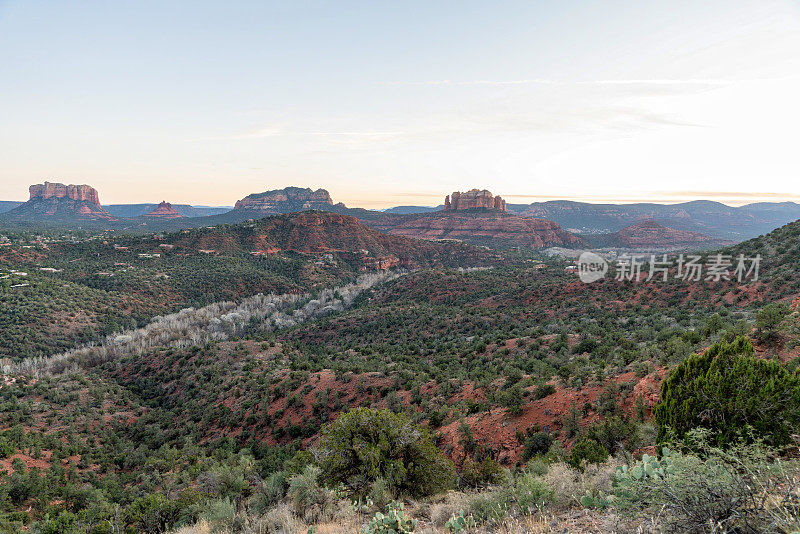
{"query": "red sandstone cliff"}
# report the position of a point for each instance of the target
(72, 192)
(60, 202)
(474, 199)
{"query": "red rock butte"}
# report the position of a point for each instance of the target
(165, 211)
(472, 199)
(51, 201)
(73, 192)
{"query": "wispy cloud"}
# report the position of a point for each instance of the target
(729, 194)
(544, 81)
(730, 197)
(282, 131)
(477, 82)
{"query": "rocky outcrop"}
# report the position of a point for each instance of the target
(164, 211)
(287, 200)
(483, 228)
(79, 193)
(60, 202)
(474, 199)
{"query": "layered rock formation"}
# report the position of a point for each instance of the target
(473, 199)
(485, 228)
(73, 192)
(287, 200)
(164, 211)
(60, 202)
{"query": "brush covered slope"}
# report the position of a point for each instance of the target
(518, 364)
(74, 292)
(501, 351)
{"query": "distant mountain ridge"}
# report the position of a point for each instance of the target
(407, 210)
(8, 205)
(714, 219)
(648, 234)
(709, 217)
(129, 211)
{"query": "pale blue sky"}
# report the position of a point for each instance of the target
(387, 103)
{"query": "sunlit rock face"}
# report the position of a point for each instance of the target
(54, 201)
(474, 199)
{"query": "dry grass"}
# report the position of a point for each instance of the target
(570, 485)
(201, 527)
(441, 511)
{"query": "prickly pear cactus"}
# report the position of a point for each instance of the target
(394, 521)
(649, 468)
(458, 523)
(598, 501)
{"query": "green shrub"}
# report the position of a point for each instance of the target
(489, 507)
(380, 494)
(7, 448)
(531, 493)
(543, 391)
(612, 433)
(272, 490)
(587, 451)
(596, 501)
(768, 319)
(311, 501)
(487, 471)
(365, 444)
(157, 513)
(220, 513)
(537, 443)
(732, 393)
(741, 489)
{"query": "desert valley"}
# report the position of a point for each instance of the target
(438, 267)
(159, 364)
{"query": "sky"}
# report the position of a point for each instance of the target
(389, 103)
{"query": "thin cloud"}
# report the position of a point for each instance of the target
(665, 197)
(479, 82)
(729, 194)
(544, 81)
(261, 133)
(663, 81)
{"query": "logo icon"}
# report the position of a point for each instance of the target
(591, 267)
